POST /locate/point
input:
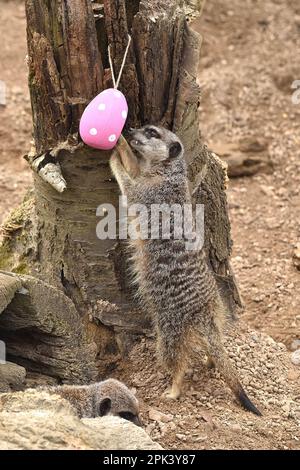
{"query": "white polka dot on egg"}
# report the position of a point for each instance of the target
(112, 137)
(93, 131)
(101, 107)
(124, 114)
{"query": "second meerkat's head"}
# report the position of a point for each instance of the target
(154, 147)
(114, 398)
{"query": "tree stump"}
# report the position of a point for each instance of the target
(56, 238)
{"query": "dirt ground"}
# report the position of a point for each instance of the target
(248, 64)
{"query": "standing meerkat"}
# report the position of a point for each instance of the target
(174, 283)
(109, 397)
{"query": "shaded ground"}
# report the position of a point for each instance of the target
(249, 61)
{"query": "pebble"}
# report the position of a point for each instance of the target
(156, 415)
(295, 357)
(199, 438)
(293, 375)
(235, 427)
(295, 344)
(172, 426)
(269, 365)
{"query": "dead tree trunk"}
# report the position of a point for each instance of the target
(68, 66)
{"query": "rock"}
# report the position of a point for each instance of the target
(245, 159)
(295, 357)
(267, 190)
(36, 420)
(293, 375)
(12, 376)
(295, 344)
(156, 415)
(199, 438)
(119, 434)
(235, 427)
(296, 257)
(207, 417)
(252, 145)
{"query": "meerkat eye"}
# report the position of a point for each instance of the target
(127, 415)
(104, 407)
(150, 132)
(175, 150)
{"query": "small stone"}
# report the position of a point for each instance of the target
(269, 365)
(156, 415)
(181, 437)
(172, 426)
(296, 256)
(267, 190)
(295, 344)
(199, 438)
(293, 375)
(295, 357)
(235, 427)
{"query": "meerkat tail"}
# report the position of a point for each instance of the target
(245, 400)
(222, 362)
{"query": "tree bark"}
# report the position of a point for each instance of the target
(68, 66)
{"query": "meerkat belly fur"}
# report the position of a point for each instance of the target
(174, 283)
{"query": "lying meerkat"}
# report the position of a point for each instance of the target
(109, 397)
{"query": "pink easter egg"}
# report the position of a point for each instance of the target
(103, 119)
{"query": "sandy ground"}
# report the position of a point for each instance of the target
(249, 61)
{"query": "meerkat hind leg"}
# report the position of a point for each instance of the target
(174, 391)
(177, 368)
(210, 363)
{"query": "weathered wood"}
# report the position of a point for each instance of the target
(65, 68)
(8, 287)
(43, 331)
(117, 34)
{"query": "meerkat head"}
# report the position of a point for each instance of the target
(114, 398)
(154, 147)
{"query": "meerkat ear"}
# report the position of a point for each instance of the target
(105, 406)
(175, 150)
